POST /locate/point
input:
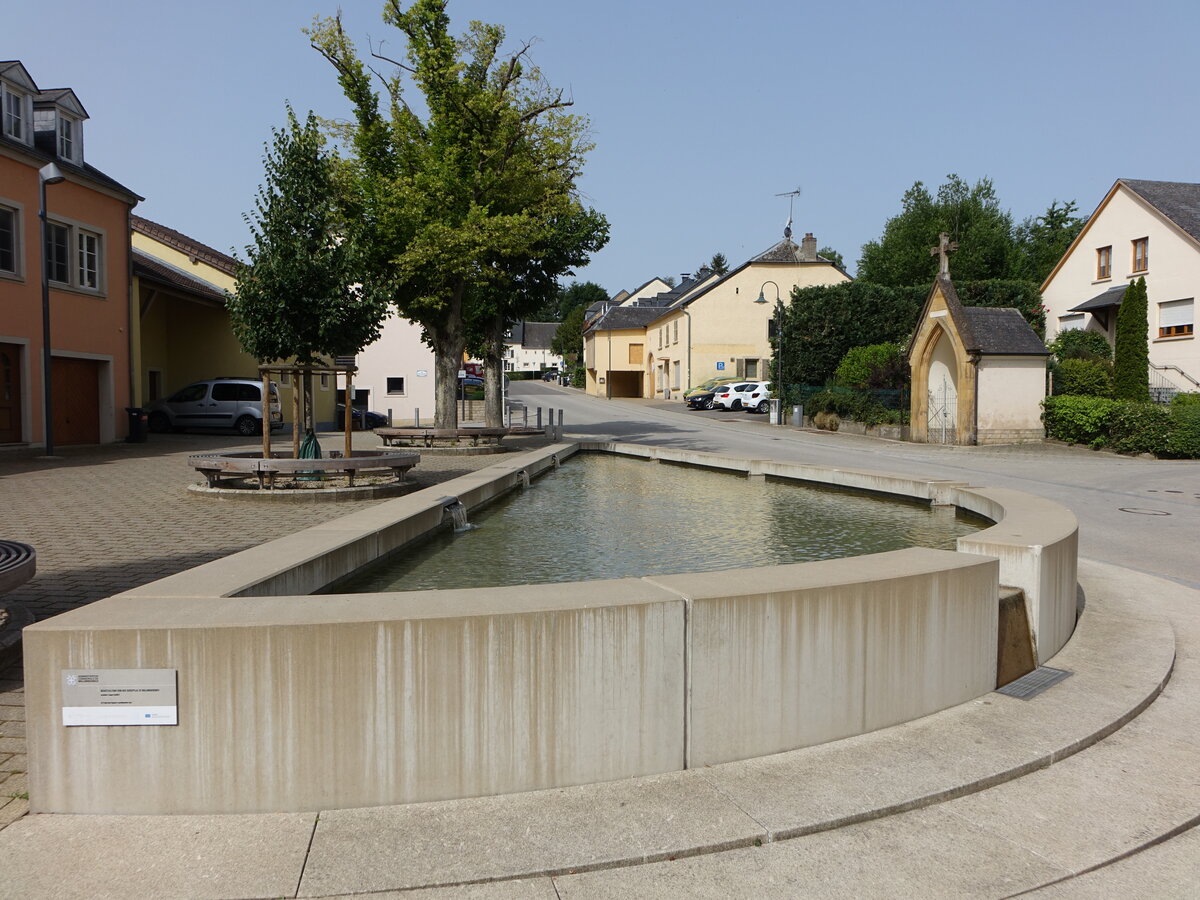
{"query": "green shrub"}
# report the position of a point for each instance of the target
(1078, 420)
(874, 366)
(859, 406)
(1184, 440)
(1192, 399)
(1079, 343)
(1139, 428)
(1083, 378)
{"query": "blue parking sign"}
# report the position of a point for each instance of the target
(721, 367)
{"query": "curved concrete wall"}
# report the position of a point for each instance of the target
(291, 702)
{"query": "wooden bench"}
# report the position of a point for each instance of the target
(18, 562)
(214, 467)
(430, 437)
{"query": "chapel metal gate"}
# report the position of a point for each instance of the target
(943, 413)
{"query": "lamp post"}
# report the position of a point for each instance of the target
(47, 174)
(778, 339)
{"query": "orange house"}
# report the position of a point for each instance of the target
(87, 262)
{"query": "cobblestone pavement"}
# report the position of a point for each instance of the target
(107, 519)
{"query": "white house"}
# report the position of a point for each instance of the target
(527, 347)
(396, 373)
(1141, 228)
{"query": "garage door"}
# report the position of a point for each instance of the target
(10, 393)
(76, 397)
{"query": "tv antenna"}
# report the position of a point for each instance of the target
(791, 195)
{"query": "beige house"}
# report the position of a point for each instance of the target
(1140, 228)
(659, 344)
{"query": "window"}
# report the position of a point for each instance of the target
(89, 260)
(85, 269)
(66, 137)
(1141, 255)
(1176, 318)
(8, 241)
(751, 369)
(660, 331)
(1071, 322)
(14, 115)
(58, 267)
(247, 392)
(676, 334)
(285, 379)
(635, 354)
(1104, 263)
(324, 381)
(395, 385)
(225, 393)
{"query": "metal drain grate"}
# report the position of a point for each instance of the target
(1029, 686)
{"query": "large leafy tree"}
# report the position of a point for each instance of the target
(1041, 241)
(518, 285)
(1131, 353)
(577, 294)
(454, 193)
(295, 298)
(970, 214)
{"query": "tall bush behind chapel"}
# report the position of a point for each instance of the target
(1131, 352)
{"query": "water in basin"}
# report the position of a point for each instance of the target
(602, 516)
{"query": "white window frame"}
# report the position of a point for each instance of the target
(18, 269)
(69, 142)
(23, 117)
(80, 277)
(88, 247)
(51, 274)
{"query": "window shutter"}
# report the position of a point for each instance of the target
(1175, 313)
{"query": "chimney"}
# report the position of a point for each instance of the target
(808, 248)
(684, 276)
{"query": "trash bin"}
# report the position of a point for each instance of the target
(798, 416)
(137, 425)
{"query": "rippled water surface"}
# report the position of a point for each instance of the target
(602, 516)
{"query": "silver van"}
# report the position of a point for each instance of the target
(220, 403)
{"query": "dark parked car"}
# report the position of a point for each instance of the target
(373, 419)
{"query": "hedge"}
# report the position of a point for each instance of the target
(1125, 426)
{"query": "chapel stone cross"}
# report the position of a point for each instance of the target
(944, 248)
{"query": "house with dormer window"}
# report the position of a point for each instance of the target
(1141, 229)
(86, 259)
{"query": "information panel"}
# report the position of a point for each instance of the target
(119, 697)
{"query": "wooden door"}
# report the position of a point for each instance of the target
(10, 393)
(76, 398)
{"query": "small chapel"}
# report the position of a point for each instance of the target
(978, 373)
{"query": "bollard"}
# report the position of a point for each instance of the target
(416, 417)
(559, 431)
(389, 417)
(539, 419)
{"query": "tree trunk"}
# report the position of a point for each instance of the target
(493, 375)
(449, 341)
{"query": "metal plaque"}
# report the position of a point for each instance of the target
(119, 697)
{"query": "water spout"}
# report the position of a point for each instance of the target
(524, 475)
(458, 513)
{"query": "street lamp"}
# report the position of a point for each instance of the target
(778, 339)
(47, 174)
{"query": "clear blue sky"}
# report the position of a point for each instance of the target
(701, 112)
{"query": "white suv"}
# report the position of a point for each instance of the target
(222, 403)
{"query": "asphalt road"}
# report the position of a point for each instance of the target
(1143, 514)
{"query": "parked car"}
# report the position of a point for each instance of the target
(729, 396)
(550, 375)
(471, 381)
(372, 419)
(756, 397)
(218, 403)
(707, 387)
